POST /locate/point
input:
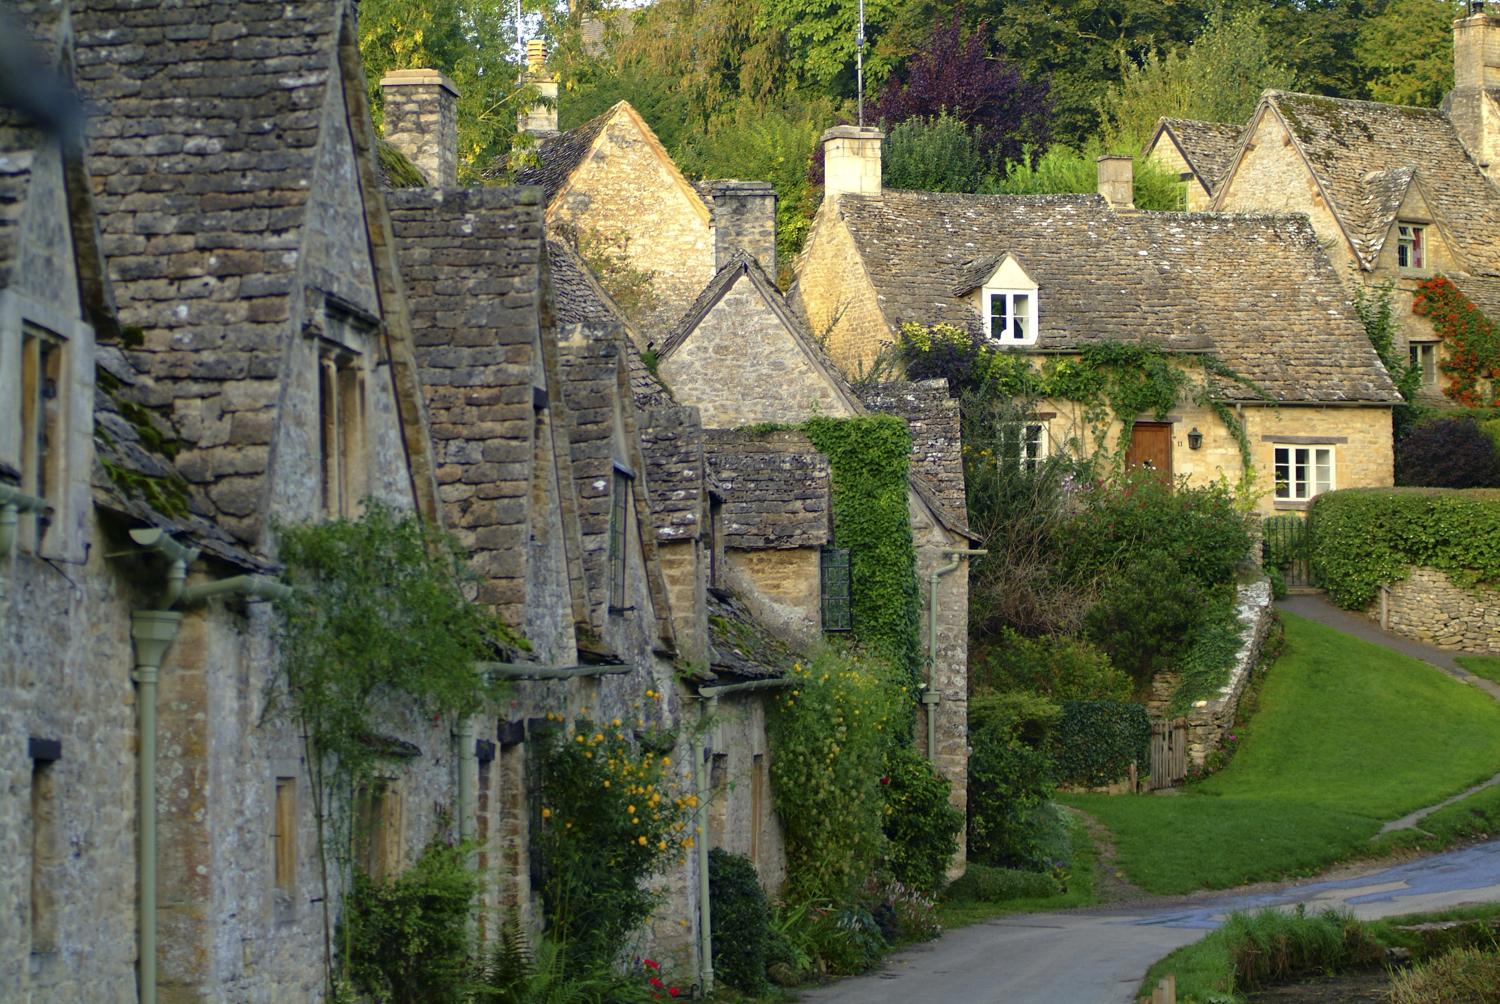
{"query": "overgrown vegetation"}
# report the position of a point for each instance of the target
(378, 628)
(1471, 343)
(1448, 453)
(741, 921)
(1365, 538)
(1096, 741)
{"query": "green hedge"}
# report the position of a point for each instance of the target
(985, 884)
(741, 921)
(1096, 741)
(1365, 538)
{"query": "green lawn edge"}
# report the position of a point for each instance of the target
(1082, 880)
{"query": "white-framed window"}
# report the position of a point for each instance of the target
(1024, 444)
(1424, 360)
(1411, 245)
(1011, 315)
(1303, 472)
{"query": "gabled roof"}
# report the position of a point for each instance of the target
(1208, 147)
(471, 261)
(561, 156)
(579, 298)
(1256, 289)
(202, 155)
(1363, 152)
(742, 646)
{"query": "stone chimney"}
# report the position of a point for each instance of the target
(421, 120)
(851, 161)
(1476, 72)
(1117, 180)
(541, 118)
(744, 214)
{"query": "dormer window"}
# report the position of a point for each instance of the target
(1411, 246)
(1006, 297)
(1012, 316)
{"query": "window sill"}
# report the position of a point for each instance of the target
(1294, 504)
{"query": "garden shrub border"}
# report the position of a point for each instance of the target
(1365, 538)
(1095, 742)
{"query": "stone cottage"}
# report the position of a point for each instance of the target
(1199, 153)
(1396, 194)
(1049, 275)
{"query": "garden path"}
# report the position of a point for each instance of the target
(1097, 956)
(1316, 607)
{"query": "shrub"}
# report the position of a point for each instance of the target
(1096, 741)
(1213, 651)
(828, 738)
(1061, 667)
(1448, 453)
(1278, 583)
(1365, 538)
(407, 938)
(1016, 713)
(1007, 781)
(905, 913)
(609, 820)
(934, 155)
(921, 827)
(741, 921)
(1146, 616)
(1272, 946)
(986, 884)
(516, 973)
(1462, 976)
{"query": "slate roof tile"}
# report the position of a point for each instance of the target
(1208, 147)
(776, 489)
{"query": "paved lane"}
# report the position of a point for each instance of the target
(1099, 955)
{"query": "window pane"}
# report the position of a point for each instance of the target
(1283, 473)
(1416, 247)
(999, 315)
(1023, 316)
(836, 575)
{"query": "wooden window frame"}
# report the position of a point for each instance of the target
(1305, 489)
(343, 430)
(43, 429)
(46, 855)
(1423, 355)
(1411, 246)
(284, 838)
(1025, 457)
(1032, 314)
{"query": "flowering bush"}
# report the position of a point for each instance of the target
(828, 734)
(1471, 341)
(610, 817)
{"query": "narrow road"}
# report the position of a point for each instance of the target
(1098, 956)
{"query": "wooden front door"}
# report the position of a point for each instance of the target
(1151, 447)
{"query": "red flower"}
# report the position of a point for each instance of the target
(884, 781)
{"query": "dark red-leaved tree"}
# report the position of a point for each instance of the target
(956, 73)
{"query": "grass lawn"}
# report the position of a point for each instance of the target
(1080, 891)
(1348, 735)
(1486, 666)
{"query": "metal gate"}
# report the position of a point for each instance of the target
(1168, 753)
(1285, 544)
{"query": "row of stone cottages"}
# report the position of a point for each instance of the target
(213, 319)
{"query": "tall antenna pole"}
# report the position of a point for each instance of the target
(859, 62)
(520, 42)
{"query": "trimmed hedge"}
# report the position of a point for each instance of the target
(741, 921)
(1096, 741)
(1364, 538)
(985, 884)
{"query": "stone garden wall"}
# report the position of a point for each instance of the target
(1428, 606)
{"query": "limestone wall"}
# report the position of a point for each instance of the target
(742, 818)
(1211, 719)
(1428, 606)
(836, 297)
(1168, 156)
(781, 587)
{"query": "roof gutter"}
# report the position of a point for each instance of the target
(530, 671)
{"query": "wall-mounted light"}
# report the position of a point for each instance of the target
(1195, 438)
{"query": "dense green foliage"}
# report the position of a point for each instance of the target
(1060, 667)
(958, 908)
(1218, 77)
(1096, 741)
(868, 458)
(1316, 773)
(829, 734)
(989, 884)
(741, 921)
(1065, 169)
(934, 155)
(1407, 51)
(611, 817)
(921, 828)
(1010, 780)
(1365, 538)
(408, 937)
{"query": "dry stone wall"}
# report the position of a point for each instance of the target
(1428, 606)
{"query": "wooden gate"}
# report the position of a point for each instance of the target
(1168, 753)
(1284, 544)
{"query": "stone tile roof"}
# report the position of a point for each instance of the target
(1482, 291)
(560, 155)
(1365, 152)
(1256, 289)
(936, 441)
(202, 141)
(1208, 147)
(133, 473)
(776, 488)
(676, 471)
(742, 646)
(579, 298)
(471, 261)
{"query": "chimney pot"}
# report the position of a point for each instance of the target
(1117, 180)
(851, 161)
(541, 118)
(1476, 73)
(421, 120)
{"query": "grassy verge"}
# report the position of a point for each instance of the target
(1206, 970)
(1080, 891)
(1348, 735)
(1486, 666)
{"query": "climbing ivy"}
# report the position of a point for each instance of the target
(867, 458)
(1110, 381)
(1472, 342)
(378, 627)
